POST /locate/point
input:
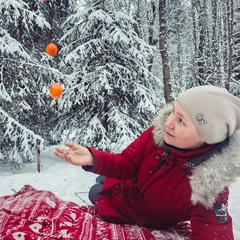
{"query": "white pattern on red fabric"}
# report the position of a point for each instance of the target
(38, 214)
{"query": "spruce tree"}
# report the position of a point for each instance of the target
(109, 94)
(25, 111)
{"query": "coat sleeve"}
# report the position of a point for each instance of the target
(122, 165)
(213, 223)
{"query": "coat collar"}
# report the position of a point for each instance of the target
(190, 157)
(213, 172)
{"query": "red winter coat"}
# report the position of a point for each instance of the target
(157, 187)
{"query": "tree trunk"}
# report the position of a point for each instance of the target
(163, 50)
(137, 18)
(151, 16)
(230, 41)
(201, 45)
(215, 59)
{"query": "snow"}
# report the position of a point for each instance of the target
(72, 183)
(56, 175)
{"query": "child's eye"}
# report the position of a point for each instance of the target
(180, 121)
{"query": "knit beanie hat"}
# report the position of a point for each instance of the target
(214, 111)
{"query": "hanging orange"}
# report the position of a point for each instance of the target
(42, 1)
(51, 49)
(56, 90)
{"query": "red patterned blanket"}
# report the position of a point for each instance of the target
(38, 214)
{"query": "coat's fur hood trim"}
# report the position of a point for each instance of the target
(212, 176)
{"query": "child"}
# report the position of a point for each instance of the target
(177, 170)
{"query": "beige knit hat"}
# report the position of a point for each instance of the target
(214, 111)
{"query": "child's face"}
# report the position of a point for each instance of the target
(180, 131)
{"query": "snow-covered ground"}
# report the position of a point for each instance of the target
(71, 183)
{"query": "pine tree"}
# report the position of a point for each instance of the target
(109, 97)
(25, 112)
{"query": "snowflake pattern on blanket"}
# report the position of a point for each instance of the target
(32, 214)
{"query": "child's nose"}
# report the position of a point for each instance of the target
(170, 122)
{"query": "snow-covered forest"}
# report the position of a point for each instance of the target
(118, 61)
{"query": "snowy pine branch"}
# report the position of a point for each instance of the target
(21, 141)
